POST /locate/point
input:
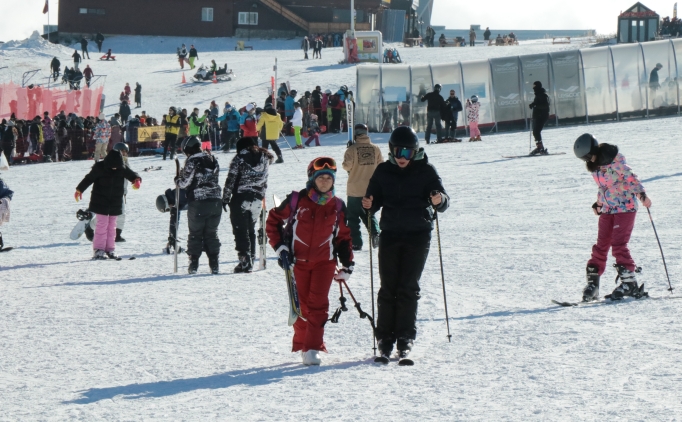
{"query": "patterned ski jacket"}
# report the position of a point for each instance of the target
(618, 187)
(199, 178)
(102, 132)
(472, 112)
(48, 129)
(248, 174)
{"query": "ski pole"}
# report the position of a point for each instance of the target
(371, 277)
(177, 216)
(661, 249)
(292, 150)
(442, 273)
(530, 134)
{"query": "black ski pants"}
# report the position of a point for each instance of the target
(244, 212)
(432, 116)
(336, 121)
(355, 214)
(170, 144)
(402, 257)
(203, 218)
(274, 146)
(172, 228)
(538, 125)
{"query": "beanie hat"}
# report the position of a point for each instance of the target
(537, 84)
(249, 107)
(245, 142)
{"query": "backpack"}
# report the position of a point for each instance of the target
(293, 206)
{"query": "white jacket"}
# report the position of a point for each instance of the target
(297, 120)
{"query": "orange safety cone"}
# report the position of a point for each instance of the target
(183, 78)
(215, 80)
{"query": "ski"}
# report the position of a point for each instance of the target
(262, 237)
(539, 155)
(607, 300)
(294, 304)
(403, 360)
(6, 249)
(382, 359)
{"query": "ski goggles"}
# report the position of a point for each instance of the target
(324, 163)
(587, 157)
(402, 152)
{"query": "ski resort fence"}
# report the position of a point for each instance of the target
(598, 84)
(26, 103)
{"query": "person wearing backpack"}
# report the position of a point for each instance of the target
(308, 229)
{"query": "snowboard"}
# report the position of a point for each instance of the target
(539, 155)
(262, 238)
(84, 217)
(152, 168)
(294, 304)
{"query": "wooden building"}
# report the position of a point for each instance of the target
(638, 23)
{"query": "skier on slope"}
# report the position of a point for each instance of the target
(270, 126)
(172, 124)
(409, 190)
(245, 186)
(433, 109)
(106, 200)
(316, 235)
(616, 205)
(5, 199)
(540, 107)
(473, 108)
(199, 178)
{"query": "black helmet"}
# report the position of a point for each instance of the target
(162, 203)
(404, 136)
(121, 146)
(437, 87)
(191, 145)
(173, 109)
(361, 129)
(585, 147)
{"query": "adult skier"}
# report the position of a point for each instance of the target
(454, 106)
(107, 178)
(84, 47)
(245, 186)
(273, 126)
(409, 190)
(316, 236)
(433, 108)
(540, 107)
(199, 178)
(616, 205)
(55, 65)
(360, 161)
(172, 123)
(231, 119)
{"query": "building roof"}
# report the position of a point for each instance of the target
(638, 10)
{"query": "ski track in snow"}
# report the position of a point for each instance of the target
(130, 340)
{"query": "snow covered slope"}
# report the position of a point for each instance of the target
(130, 340)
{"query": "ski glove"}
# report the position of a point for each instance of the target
(343, 274)
(645, 199)
(225, 206)
(137, 183)
(596, 207)
(78, 196)
(284, 254)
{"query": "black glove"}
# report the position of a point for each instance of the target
(596, 208)
(530, 106)
(225, 206)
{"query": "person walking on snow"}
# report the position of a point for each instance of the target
(76, 59)
(107, 178)
(273, 124)
(305, 45)
(172, 124)
(193, 55)
(182, 56)
(5, 199)
(410, 191)
(297, 123)
(88, 74)
(472, 108)
(55, 65)
(84, 47)
(433, 109)
(138, 95)
(99, 39)
(616, 206)
(102, 135)
(454, 106)
(313, 131)
(245, 186)
(360, 161)
(540, 107)
(199, 178)
(315, 236)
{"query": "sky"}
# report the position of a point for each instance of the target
(20, 22)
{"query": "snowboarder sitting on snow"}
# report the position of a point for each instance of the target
(619, 189)
(107, 178)
(315, 235)
(410, 191)
(245, 186)
(5, 199)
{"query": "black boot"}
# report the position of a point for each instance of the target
(213, 263)
(539, 149)
(385, 347)
(628, 285)
(279, 159)
(591, 291)
(118, 236)
(404, 344)
(193, 264)
(245, 265)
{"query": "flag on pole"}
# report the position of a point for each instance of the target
(46, 8)
(675, 11)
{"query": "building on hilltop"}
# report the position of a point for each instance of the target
(638, 23)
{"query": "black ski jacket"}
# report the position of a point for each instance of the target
(436, 101)
(404, 194)
(108, 185)
(193, 53)
(248, 174)
(55, 64)
(540, 104)
(199, 178)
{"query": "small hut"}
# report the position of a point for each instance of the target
(638, 23)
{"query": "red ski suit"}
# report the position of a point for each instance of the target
(318, 236)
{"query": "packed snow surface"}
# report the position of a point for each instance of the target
(131, 340)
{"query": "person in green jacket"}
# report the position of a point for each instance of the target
(197, 127)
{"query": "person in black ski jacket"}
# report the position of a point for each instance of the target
(540, 107)
(486, 34)
(99, 39)
(453, 107)
(245, 186)
(55, 65)
(76, 59)
(199, 178)
(435, 104)
(193, 55)
(410, 191)
(84, 47)
(107, 178)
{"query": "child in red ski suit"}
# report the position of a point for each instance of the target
(316, 235)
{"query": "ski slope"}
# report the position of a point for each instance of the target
(131, 340)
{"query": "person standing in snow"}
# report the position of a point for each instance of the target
(486, 34)
(102, 135)
(305, 46)
(410, 191)
(472, 38)
(49, 135)
(84, 47)
(199, 178)
(245, 186)
(88, 74)
(297, 123)
(616, 206)
(99, 39)
(454, 106)
(313, 131)
(5, 199)
(182, 56)
(540, 107)
(273, 124)
(138, 95)
(193, 55)
(107, 178)
(472, 109)
(317, 47)
(55, 65)
(172, 124)
(231, 119)
(434, 106)
(309, 231)
(76, 59)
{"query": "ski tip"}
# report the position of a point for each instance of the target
(381, 359)
(405, 362)
(564, 304)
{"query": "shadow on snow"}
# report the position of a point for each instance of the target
(665, 176)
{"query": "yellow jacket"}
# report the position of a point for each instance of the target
(172, 120)
(359, 161)
(273, 126)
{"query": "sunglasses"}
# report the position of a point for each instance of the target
(324, 162)
(402, 152)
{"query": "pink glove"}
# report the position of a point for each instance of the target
(645, 200)
(137, 183)
(78, 196)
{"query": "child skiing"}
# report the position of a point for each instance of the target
(309, 230)
(313, 131)
(472, 108)
(619, 189)
(106, 200)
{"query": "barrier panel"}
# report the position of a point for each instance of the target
(27, 103)
(395, 90)
(368, 97)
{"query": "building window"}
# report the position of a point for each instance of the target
(248, 18)
(84, 11)
(207, 14)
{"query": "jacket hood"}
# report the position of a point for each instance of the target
(271, 111)
(538, 90)
(362, 139)
(607, 153)
(113, 160)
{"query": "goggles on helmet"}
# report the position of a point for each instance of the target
(324, 162)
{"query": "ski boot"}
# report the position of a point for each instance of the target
(99, 255)
(591, 291)
(539, 149)
(245, 264)
(357, 247)
(193, 264)
(118, 236)
(311, 357)
(112, 255)
(385, 348)
(213, 263)
(628, 285)
(478, 138)
(279, 160)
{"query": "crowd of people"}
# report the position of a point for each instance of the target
(671, 27)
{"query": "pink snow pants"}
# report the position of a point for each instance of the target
(314, 137)
(473, 130)
(614, 233)
(105, 233)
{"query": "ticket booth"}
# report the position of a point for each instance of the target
(638, 24)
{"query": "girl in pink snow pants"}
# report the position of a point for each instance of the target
(472, 109)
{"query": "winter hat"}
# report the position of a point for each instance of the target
(249, 107)
(102, 116)
(245, 143)
(328, 91)
(537, 84)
